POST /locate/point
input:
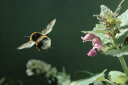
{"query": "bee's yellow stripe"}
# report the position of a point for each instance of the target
(40, 38)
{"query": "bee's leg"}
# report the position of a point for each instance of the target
(38, 48)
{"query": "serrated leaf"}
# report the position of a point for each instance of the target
(117, 77)
(121, 36)
(116, 52)
(96, 78)
(123, 18)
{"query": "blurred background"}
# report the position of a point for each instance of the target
(19, 18)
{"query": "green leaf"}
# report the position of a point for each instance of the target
(121, 36)
(63, 78)
(117, 77)
(102, 35)
(116, 52)
(94, 31)
(96, 78)
(98, 83)
(123, 18)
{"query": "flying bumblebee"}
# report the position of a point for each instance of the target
(39, 39)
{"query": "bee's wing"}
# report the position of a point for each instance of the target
(26, 45)
(49, 27)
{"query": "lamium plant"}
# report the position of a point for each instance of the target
(108, 37)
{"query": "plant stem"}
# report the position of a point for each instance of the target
(109, 82)
(121, 59)
(124, 65)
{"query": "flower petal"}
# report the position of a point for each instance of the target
(97, 43)
(88, 37)
(92, 52)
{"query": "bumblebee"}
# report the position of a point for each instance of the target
(39, 39)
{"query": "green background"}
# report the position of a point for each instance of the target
(19, 18)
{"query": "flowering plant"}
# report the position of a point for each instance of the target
(110, 37)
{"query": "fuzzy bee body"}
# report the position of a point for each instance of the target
(43, 43)
(40, 40)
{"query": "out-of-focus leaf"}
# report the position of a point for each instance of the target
(35, 66)
(96, 78)
(80, 75)
(98, 83)
(121, 36)
(63, 79)
(123, 18)
(118, 77)
(51, 73)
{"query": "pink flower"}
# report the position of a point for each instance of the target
(96, 43)
(92, 52)
(88, 37)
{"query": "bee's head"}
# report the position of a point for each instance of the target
(34, 36)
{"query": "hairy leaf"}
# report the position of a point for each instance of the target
(117, 52)
(123, 18)
(121, 36)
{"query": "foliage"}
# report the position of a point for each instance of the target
(62, 78)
